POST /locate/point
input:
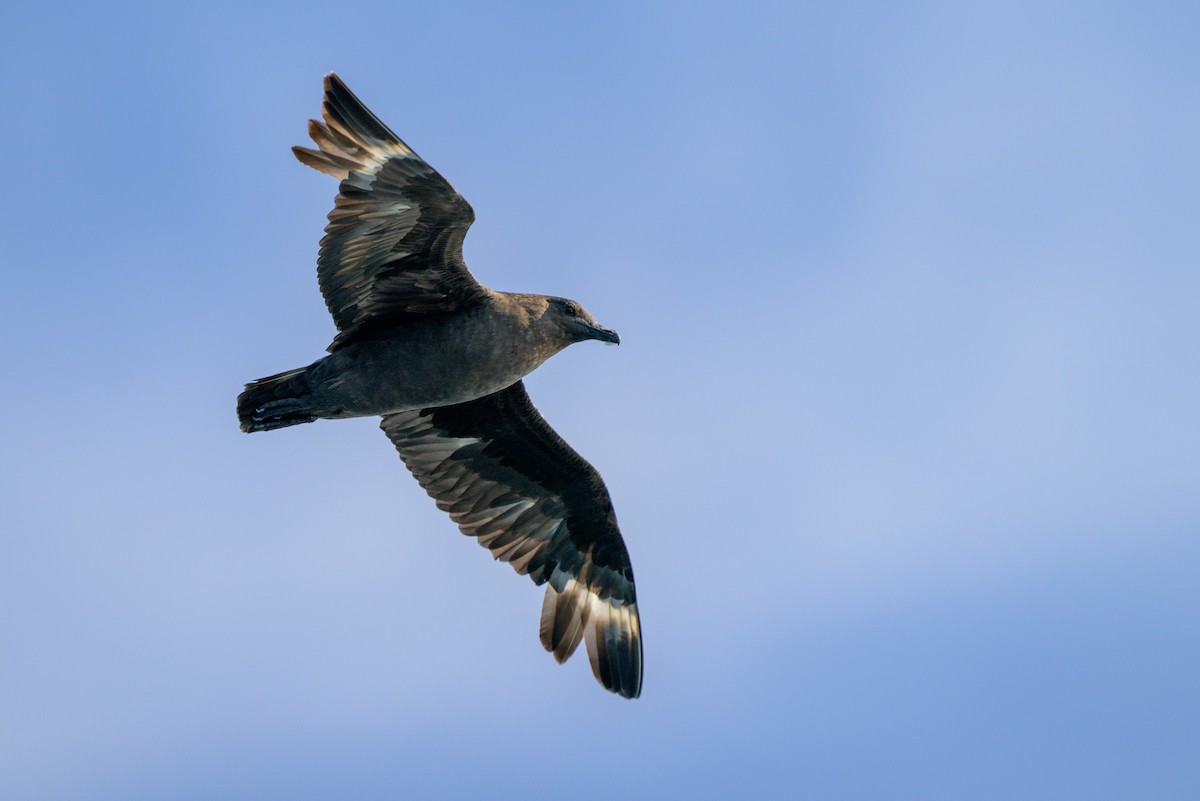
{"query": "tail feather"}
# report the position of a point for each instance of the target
(276, 401)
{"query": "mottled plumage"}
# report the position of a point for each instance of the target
(440, 357)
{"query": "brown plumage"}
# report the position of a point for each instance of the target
(440, 357)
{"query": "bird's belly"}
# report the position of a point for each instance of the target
(381, 378)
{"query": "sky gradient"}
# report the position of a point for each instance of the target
(902, 433)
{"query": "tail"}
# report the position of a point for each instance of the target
(275, 402)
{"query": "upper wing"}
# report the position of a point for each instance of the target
(509, 480)
(393, 246)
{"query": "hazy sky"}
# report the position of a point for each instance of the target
(902, 434)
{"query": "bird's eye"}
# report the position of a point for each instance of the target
(571, 310)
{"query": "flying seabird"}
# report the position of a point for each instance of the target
(440, 358)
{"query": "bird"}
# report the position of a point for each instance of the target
(440, 358)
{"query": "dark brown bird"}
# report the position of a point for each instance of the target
(441, 357)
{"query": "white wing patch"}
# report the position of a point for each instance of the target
(344, 152)
(577, 612)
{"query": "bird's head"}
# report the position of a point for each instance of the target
(578, 325)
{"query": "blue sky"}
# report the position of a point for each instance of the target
(902, 433)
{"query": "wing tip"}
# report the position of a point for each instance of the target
(564, 618)
(614, 643)
(342, 108)
(322, 161)
(611, 629)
